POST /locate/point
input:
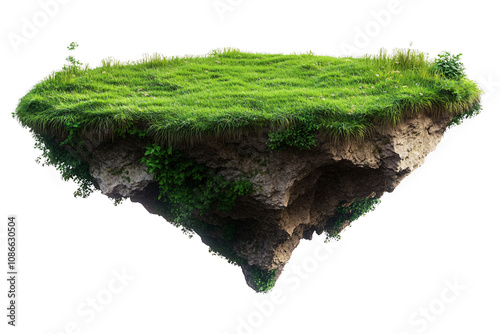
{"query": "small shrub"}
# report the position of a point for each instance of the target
(450, 66)
(74, 64)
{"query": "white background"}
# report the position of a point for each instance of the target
(440, 225)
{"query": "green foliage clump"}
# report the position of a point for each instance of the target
(73, 129)
(450, 66)
(302, 135)
(458, 119)
(263, 280)
(67, 162)
(348, 212)
(225, 248)
(187, 186)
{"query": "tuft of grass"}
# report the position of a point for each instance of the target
(229, 93)
(401, 59)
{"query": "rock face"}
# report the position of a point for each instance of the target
(295, 193)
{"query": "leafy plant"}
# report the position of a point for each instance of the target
(67, 163)
(348, 212)
(118, 201)
(450, 66)
(187, 186)
(73, 129)
(74, 63)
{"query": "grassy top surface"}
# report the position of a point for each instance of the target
(227, 93)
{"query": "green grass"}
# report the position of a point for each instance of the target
(229, 93)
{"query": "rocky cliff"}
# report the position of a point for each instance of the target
(295, 192)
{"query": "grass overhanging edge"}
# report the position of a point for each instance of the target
(105, 127)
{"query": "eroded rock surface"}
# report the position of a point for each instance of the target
(295, 192)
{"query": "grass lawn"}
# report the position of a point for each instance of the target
(229, 93)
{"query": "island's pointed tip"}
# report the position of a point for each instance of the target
(259, 280)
